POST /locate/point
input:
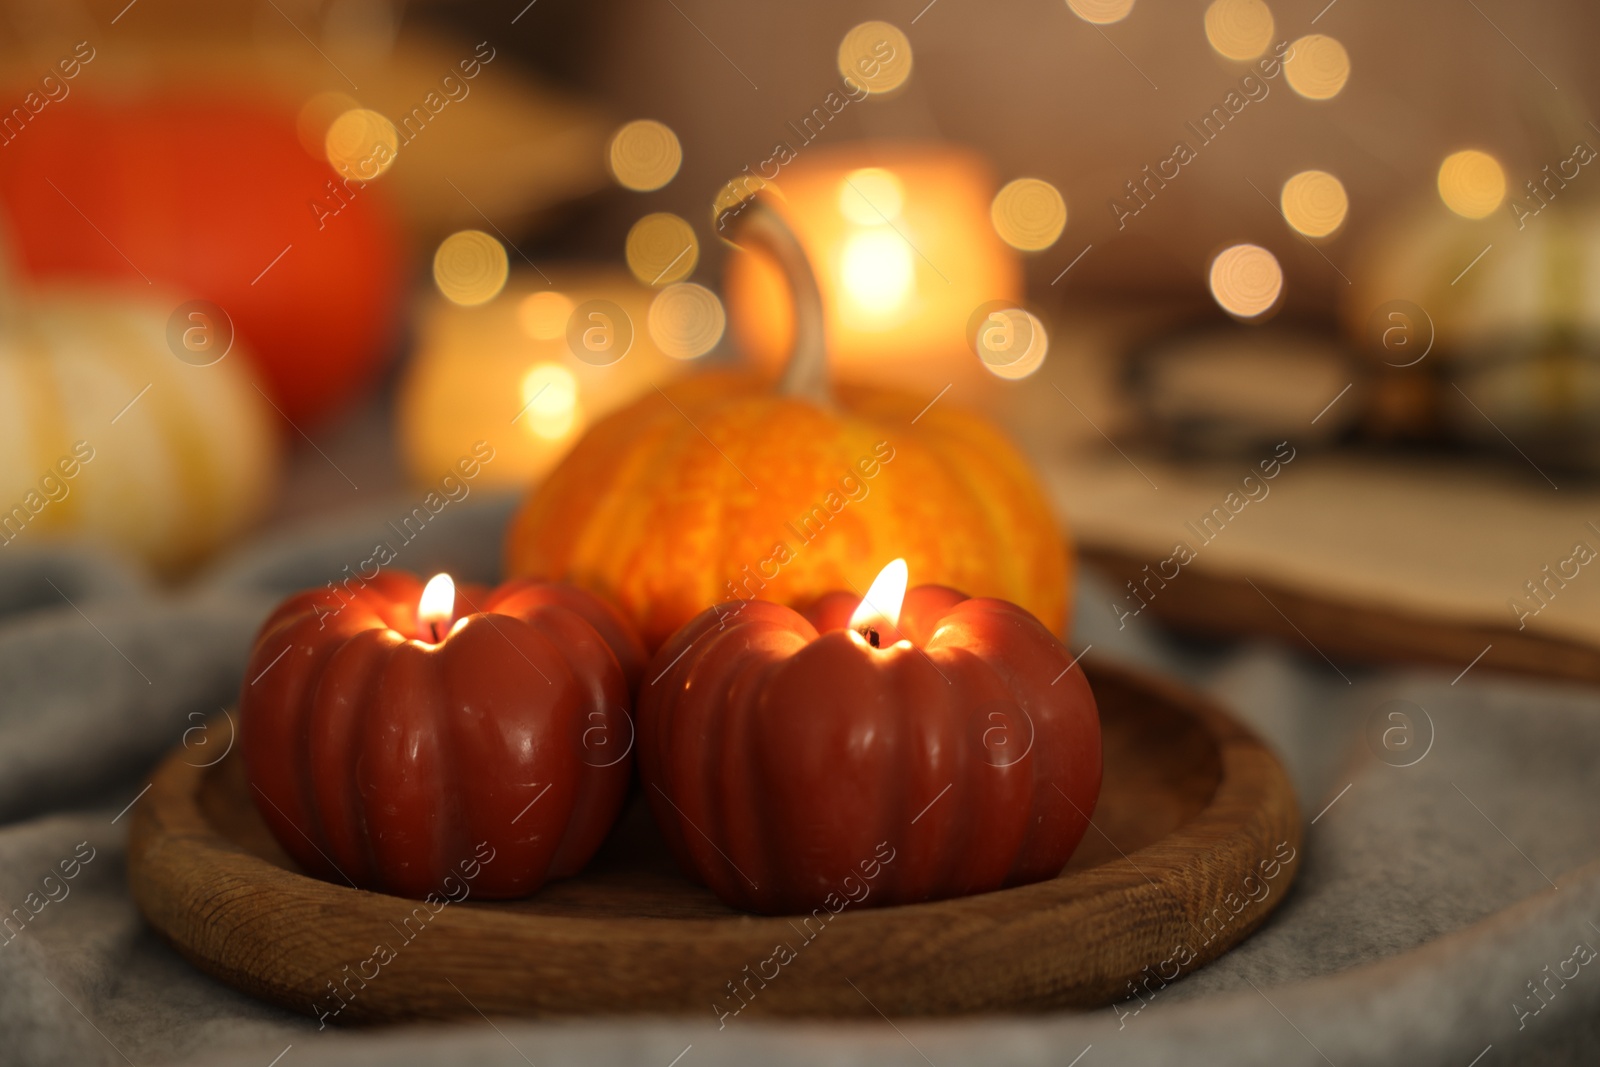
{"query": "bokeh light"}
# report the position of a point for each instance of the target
(875, 56)
(686, 320)
(1101, 12)
(1471, 183)
(1028, 214)
(543, 316)
(1314, 202)
(470, 267)
(361, 144)
(644, 155)
(871, 196)
(1317, 67)
(1011, 343)
(876, 270)
(549, 400)
(1239, 29)
(1246, 280)
(662, 249)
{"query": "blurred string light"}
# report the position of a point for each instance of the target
(1239, 29)
(662, 249)
(1314, 202)
(1101, 12)
(1011, 343)
(686, 320)
(1471, 183)
(1028, 214)
(645, 155)
(1246, 280)
(1317, 67)
(549, 400)
(316, 115)
(361, 143)
(470, 267)
(543, 316)
(875, 56)
(871, 196)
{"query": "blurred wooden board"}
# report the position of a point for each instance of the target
(1350, 631)
(1365, 559)
(1193, 819)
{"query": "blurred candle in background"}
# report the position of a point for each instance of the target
(904, 244)
(530, 367)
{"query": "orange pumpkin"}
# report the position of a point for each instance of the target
(719, 488)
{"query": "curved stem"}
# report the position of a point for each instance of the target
(759, 224)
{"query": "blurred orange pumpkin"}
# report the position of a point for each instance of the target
(215, 199)
(717, 489)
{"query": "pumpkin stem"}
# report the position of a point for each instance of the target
(761, 225)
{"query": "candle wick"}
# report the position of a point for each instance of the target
(871, 634)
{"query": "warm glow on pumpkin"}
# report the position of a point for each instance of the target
(880, 608)
(626, 511)
(438, 603)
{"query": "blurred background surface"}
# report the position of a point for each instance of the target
(279, 259)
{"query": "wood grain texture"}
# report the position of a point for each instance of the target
(1193, 806)
(1213, 603)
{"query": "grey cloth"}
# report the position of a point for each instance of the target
(1425, 910)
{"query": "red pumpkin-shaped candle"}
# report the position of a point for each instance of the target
(892, 757)
(391, 738)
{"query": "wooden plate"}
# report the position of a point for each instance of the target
(1195, 841)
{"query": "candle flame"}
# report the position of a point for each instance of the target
(881, 606)
(438, 603)
(877, 273)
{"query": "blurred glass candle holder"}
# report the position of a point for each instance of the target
(531, 368)
(905, 251)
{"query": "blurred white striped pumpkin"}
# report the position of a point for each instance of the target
(106, 435)
(1511, 309)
